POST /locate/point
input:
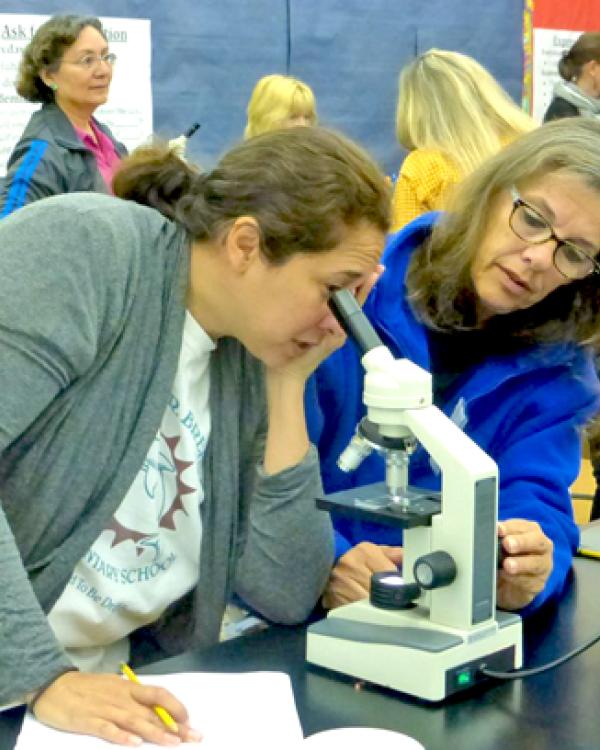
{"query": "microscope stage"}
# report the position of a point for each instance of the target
(372, 502)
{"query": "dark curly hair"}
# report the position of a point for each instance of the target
(45, 51)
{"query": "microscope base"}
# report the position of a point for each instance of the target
(404, 651)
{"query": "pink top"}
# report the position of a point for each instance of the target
(104, 152)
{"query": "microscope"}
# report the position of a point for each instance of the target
(430, 630)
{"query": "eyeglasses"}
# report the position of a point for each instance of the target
(91, 61)
(529, 225)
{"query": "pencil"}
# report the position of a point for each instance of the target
(161, 712)
(588, 553)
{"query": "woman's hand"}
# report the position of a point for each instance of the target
(114, 709)
(287, 438)
(350, 579)
(527, 565)
(302, 367)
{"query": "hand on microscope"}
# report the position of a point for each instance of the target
(525, 569)
(527, 563)
(350, 578)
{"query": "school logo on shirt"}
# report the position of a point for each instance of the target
(163, 488)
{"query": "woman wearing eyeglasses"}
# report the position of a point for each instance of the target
(499, 300)
(67, 67)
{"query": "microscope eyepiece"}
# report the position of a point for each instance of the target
(355, 323)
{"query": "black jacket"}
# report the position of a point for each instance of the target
(50, 159)
(560, 108)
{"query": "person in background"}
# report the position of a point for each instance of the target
(579, 91)
(68, 67)
(154, 456)
(499, 300)
(279, 101)
(451, 116)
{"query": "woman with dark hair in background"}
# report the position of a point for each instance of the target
(154, 457)
(67, 67)
(579, 67)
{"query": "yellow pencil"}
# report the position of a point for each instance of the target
(589, 553)
(161, 712)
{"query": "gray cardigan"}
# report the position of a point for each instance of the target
(91, 316)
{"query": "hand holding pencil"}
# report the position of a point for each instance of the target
(162, 713)
(117, 710)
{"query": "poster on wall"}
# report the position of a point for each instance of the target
(128, 111)
(555, 27)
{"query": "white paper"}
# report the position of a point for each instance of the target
(361, 738)
(246, 711)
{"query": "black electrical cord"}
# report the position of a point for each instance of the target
(519, 674)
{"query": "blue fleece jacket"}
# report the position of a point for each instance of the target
(524, 409)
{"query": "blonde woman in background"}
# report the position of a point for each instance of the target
(279, 102)
(452, 115)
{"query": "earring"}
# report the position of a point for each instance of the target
(54, 87)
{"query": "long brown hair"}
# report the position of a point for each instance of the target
(439, 278)
(302, 185)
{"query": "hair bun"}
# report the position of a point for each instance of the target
(154, 176)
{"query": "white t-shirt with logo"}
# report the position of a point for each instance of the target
(149, 555)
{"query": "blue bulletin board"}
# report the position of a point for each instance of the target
(207, 55)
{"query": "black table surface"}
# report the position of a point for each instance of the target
(559, 709)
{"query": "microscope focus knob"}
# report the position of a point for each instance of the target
(390, 591)
(434, 570)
